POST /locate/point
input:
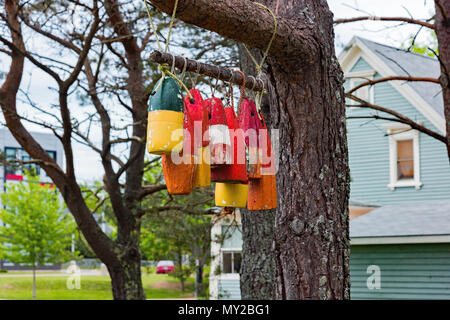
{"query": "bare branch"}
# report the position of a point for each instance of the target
(400, 117)
(385, 79)
(375, 18)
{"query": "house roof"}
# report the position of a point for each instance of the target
(406, 63)
(426, 97)
(415, 219)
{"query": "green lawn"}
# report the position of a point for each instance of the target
(92, 288)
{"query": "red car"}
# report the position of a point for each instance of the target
(165, 266)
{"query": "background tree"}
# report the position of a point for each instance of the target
(93, 53)
(178, 226)
(37, 229)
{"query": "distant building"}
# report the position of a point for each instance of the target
(13, 150)
(400, 188)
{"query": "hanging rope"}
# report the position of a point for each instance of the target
(171, 25)
(266, 52)
(164, 68)
(260, 65)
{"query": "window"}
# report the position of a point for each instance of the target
(10, 153)
(14, 171)
(231, 261)
(29, 166)
(403, 157)
(365, 93)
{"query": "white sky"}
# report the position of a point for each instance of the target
(87, 162)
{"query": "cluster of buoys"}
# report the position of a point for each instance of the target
(202, 141)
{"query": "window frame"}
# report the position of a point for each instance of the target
(406, 134)
(361, 76)
(233, 251)
(21, 154)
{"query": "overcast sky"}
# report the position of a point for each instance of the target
(87, 163)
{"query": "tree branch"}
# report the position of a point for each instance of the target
(401, 78)
(400, 118)
(375, 18)
(294, 41)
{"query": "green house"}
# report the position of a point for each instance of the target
(400, 188)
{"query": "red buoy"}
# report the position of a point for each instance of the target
(220, 144)
(237, 171)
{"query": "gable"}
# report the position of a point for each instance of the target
(360, 65)
(360, 58)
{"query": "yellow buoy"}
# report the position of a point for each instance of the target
(231, 195)
(165, 118)
(203, 173)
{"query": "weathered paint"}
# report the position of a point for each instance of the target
(164, 131)
(231, 195)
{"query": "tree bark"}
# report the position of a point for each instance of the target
(126, 279)
(258, 270)
(199, 280)
(442, 27)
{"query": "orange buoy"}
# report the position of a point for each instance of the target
(262, 192)
(179, 167)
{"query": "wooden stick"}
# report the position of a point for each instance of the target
(208, 70)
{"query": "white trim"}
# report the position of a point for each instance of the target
(400, 240)
(358, 49)
(393, 174)
(361, 76)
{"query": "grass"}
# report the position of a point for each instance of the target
(92, 288)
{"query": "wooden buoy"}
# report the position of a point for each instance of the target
(165, 118)
(203, 171)
(231, 195)
(180, 174)
(220, 144)
(237, 171)
(250, 123)
(262, 192)
(198, 114)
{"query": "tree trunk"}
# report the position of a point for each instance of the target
(180, 269)
(311, 224)
(442, 25)
(258, 272)
(126, 279)
(34, 282)
(199, 280)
